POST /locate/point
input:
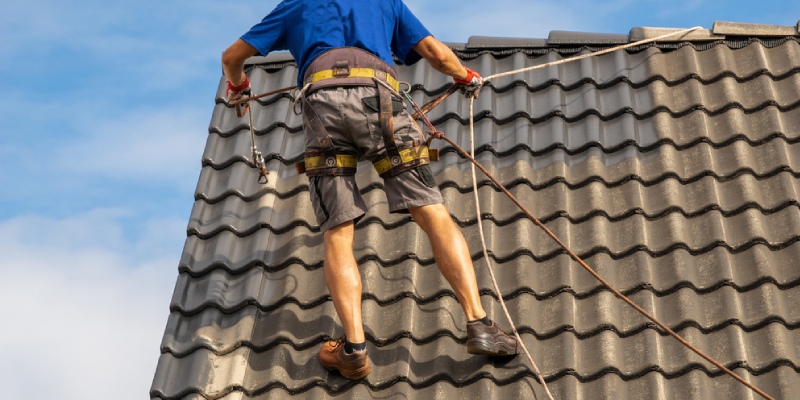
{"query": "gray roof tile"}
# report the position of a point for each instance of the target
(490, 42)
(742, 29)
(579, 38)
(672, 169)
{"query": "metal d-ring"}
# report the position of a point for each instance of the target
(400, 85)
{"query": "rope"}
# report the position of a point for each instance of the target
(257, 158)
(243, 106)
(486, 255)
(595, 274)
(598, 53)
(538, 223)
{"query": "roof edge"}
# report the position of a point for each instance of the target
(745, 29)
(277, 57)
(645, 32)
(581, 38)
(720, 31)
(489, 42)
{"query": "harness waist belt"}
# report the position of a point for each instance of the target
(354, 73)
(349, 66)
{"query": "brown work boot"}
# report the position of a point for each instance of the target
(490, 340)
(352, 366)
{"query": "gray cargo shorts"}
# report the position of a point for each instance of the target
(355, 129)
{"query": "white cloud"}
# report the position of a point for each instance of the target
(84, 305)
(123, 91)
(97, 91)
(157, 145)
(145, 155)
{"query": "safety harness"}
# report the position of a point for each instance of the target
(348, 67)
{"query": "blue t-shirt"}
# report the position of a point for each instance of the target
(308, 28)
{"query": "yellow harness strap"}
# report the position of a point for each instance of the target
(382, 166)
(355, 73)
(343, 161)
(406, 155)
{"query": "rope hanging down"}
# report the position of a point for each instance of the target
(242, 107)
(486, 252)
(439, 135)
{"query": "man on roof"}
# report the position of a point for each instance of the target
(344, 50)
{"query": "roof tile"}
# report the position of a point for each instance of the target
(673, 169)
(742, 29)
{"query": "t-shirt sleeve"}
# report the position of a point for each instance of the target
(408, 32)
(269, 34)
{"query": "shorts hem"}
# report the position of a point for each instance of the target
(340, 219)
(403, 206)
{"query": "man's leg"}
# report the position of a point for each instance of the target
(348, 354)
(344, 279)
(452, 256)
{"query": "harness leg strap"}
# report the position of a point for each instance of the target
(387, 126)
(333, 164)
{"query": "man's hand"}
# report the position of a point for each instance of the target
(472, 83)
(238, 92)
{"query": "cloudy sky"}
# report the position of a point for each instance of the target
(104, 110)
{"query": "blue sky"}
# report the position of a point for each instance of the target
(104, 110)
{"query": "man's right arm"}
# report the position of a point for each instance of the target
(440, 57)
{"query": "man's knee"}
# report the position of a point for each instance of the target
(430, 215)
(341, 234)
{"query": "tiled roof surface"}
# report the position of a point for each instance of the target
(673, 169)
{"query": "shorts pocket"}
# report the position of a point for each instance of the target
(373, 103)
(426, 175)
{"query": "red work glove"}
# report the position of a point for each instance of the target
(243, 90)
(472, 83)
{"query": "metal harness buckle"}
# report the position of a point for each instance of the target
(341, 69)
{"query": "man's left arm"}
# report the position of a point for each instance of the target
(233, 59)
(440, 57)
